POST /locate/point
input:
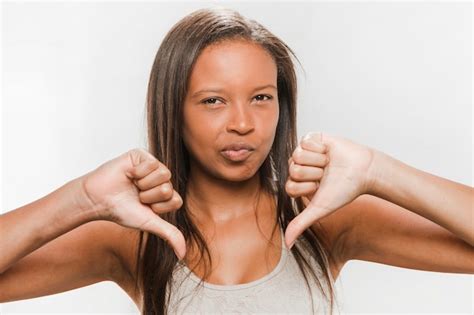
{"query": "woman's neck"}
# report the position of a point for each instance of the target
(221, 201)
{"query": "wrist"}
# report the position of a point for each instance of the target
(82, 200)
(379, 170)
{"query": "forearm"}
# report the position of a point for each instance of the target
(29, 227)
(445, 202)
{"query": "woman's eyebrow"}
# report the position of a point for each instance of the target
(218, 90)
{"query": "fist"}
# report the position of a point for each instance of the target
(131, 190)
(328, 172)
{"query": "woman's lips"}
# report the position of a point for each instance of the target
(237, 155)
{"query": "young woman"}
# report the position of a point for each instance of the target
(226, 212)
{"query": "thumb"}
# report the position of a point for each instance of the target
(300, 223)
(313, 212)
(166, 231)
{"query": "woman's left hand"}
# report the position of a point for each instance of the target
(328, 172)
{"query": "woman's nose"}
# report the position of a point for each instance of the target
(240, 120)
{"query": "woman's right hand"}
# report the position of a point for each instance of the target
(131, 190)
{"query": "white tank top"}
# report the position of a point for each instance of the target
(283, 290)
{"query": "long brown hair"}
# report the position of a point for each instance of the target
(166, 93)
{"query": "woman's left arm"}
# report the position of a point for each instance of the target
(376, 208)
(447, 203)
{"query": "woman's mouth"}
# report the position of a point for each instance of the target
(237, 155)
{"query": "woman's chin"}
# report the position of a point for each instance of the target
(240, 174)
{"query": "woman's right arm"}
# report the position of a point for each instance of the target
(74, 236)
(35, 224)
(28, 269)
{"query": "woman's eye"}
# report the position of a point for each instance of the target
(213, 100)
(269, 97)
(210, 101)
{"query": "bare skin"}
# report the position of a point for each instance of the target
(391, 216)
(222, 194)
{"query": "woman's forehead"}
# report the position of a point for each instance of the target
(239, 63)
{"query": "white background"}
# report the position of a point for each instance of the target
(394, 76)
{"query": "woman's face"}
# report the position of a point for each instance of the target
(231, 109)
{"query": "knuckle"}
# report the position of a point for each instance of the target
(297, 154)
(290, 186)
(306, 140)
(153, 163)
(165, 173)
(177, 201)
(166, 191)
(296, 171)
